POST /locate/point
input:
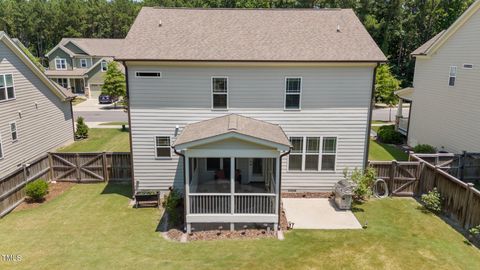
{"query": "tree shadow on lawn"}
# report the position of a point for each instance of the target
(120, 188)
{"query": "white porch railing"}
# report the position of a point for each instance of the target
(221, 203)
(403, 125)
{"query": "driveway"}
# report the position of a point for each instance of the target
(318, 214)
(91, 111)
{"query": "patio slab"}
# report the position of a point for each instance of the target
(318, 214)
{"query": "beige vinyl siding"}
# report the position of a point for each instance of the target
(334, 103)
(446, 116)
(43, 120)
(59, 53)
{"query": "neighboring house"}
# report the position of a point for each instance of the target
(251, 101)
(79, 64)
(35, 113)
(445, 109)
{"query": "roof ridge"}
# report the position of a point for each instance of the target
(248, 9)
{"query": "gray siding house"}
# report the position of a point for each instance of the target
(445, 109)
(231, 107)
(79, 64)
(35, 113)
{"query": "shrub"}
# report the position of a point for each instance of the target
(475, 231)
(82, 129)
(387, 134)
(424, 149)
(171, 203)
(364, 180)
(432, 201)
(37, 190)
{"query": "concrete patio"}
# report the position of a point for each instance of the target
(318, 214)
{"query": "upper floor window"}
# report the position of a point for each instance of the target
(452, 76)
(293, 89)
(313, 154)
(1, 148)
(7, 89)
(162, 147)
(104, 65)
(13, 131)
(83, 63)
(219, 92)
(60, 63)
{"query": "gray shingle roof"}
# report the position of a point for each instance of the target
(427, 45)
(232, 123)
(96, 46)
(249, 35)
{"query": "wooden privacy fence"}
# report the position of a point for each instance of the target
(461, 201)
(68, 167)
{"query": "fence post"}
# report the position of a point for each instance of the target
(393, 169)
(50, 166)
(461, 166)
(105, 167)
(420, 168)
(466, 206)
(435, 177)
(77, 166)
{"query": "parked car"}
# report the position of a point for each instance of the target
(106, 99)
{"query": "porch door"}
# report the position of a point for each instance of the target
(256, 169)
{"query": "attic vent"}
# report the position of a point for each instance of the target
(148, 74)
(232, 122)
(338, 28)
(467, 66)
(159, 23)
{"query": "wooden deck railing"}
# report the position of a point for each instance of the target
(221, 203)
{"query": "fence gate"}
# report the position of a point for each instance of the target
(78, 168)
(402, 177)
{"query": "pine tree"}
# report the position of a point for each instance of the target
(82, 129)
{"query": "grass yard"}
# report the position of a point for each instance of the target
(91, 227)
(101, 139)
(385, 152)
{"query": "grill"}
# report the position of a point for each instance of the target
(343, 194)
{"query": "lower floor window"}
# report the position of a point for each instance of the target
(162, 146)
(63, 82)
(313, 154)
(13, 131)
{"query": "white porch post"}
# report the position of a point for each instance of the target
(69, 84)
(232, 190)
(187, 191)
(400, 108)
(277, 190)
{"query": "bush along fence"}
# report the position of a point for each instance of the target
(460, 200)
(63, 167)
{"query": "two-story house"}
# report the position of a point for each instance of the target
(79, 64)
(445, 109)
(35, 113)
(233, 106)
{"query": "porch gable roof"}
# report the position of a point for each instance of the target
(232, 125)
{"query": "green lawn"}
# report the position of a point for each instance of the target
(385, 152)
(92, 227)
(101, 139)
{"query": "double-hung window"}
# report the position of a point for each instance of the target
(452, 76)
(13, 131)
(293, 90)
(63, 82)
(60, 63)
(104, 65)
(162, 147)
(312, 154)
(220, 93)
(83, 63)
(329, 153)
(1, 148)
(7, 90)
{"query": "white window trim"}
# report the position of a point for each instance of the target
(155, 147)
(6, 91)
(83, 60)
(11, 132)
(148, 71)
(450, 76)
(56, 63)
(1, 148)
(320, 155)
(212, 93)
(102, 64)
(221, 163)
(285, 93)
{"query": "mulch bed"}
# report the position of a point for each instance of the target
(227, 234)
(54, 190)
(306, 194)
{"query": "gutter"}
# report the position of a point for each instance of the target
(129, 128)
(280, 185)
(369, 119)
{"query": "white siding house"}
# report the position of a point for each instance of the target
(318, 91)
(445, 111)
(35, 113)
